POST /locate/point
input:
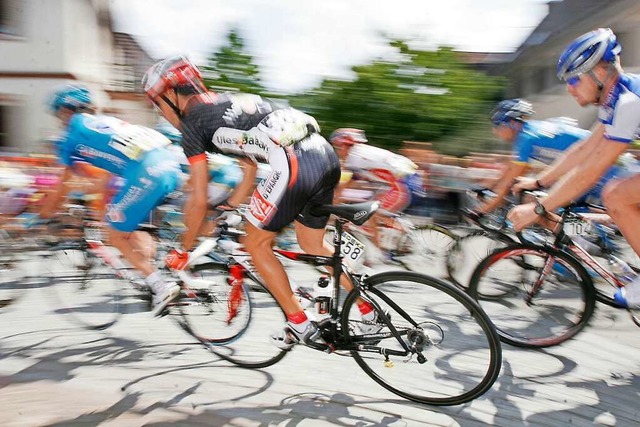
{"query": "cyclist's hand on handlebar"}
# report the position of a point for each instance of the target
(523, 184)
(522, 216)
(177, 259)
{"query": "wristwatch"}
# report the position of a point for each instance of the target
(539, 209)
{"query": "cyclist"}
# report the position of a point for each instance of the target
(393, 176)
(535, 142)
(590, 66)
(135, 153)
(304, 173)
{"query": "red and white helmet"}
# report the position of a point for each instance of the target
(171, 73)
(347, 136)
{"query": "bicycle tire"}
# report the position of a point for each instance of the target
(469, 250)
(425, 247)
(559, 310)
(212, 310)
(253, 349)
(14, 278)
(86, 292)
(462, 348)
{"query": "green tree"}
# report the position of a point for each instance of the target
(231, 68)
(421, 96)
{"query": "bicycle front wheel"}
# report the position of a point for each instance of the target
(213, 310)
(436, 345)
(247, 343)
(535, 296)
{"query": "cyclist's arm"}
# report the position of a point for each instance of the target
(195, 208)
(586, 174)
(504, 183)
(576, 155)
(248, 183)
(55, 197)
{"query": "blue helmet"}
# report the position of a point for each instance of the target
(169, 131)
(586, 52)
(511, 109)
(72, 96)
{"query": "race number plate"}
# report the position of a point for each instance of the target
(352, 248)
(577, 227)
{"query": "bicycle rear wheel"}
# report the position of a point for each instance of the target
(213, 310)
(456, 354)
(247, 344)
(424, 249)
(531, 307)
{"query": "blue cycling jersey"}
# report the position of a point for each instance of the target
(620, 112)
(544, 141)
(107, 143)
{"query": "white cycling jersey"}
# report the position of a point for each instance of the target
(364, 157)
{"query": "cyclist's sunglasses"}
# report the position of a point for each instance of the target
(572, 81)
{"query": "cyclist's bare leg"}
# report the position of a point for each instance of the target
(622, 200)
(311, 241)
(259, 244)
(137, 248)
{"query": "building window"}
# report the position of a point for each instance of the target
(10, 17)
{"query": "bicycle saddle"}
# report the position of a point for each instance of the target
(357, 213)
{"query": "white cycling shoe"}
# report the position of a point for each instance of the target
(163, 295)
(289, 336)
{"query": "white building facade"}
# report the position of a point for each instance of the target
(46, 43)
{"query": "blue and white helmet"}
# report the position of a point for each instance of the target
(72, 96)
(586, 52)
(511, 109)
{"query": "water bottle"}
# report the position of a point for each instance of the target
(621, 269)
(588, 246)
(323, 292)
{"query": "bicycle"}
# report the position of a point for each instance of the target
(97, 287)
(540, 295)
(422, 321)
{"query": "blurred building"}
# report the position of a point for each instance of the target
(45, 43)
(531, 70)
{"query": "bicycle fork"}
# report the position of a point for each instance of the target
(236, 294)
(537, 286)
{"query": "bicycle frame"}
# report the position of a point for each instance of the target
(563, 241)
(243, 268)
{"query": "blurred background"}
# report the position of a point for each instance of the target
(419, 76)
